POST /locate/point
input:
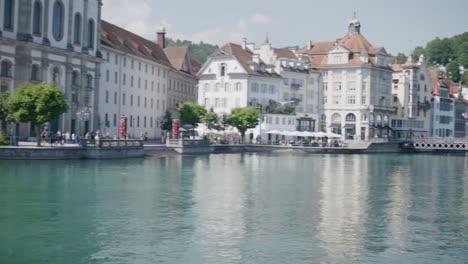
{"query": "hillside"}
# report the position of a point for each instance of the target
(449, 52)
(200, 52)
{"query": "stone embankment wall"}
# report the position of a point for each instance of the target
(69, 153)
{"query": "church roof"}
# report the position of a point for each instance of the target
(128, 42)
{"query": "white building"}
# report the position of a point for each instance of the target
(134, 83)
(265, 78)
(411, 91)
(443, 105)
(53, 41)
(356, 85)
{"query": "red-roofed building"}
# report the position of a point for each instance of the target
(443, 106)
(356, 85)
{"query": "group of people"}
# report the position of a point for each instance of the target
(58, 138)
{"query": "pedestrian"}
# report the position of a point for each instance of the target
(73, 138)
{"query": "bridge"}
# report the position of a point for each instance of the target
(438, 144)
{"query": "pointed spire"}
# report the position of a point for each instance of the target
(267, 39)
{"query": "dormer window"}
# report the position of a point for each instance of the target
(223, 69)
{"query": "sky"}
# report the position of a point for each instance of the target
(397, 25)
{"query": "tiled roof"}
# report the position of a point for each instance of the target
(284, 53)
(440, 81)
(355, 43)
(128, 42)
(244, 57)
(176, 56)
(196, 66)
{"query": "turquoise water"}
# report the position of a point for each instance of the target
(236, 208)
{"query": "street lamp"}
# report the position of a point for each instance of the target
(83, 115)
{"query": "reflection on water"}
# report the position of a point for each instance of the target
(237, 208)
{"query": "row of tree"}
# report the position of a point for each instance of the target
(192, 114)
(449, 52)
(37, 104)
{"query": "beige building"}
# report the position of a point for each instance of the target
(411, 90)
(356, 90)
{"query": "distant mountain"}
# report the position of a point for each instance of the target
(199, 52)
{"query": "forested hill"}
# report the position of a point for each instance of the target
(450, 52)
(200, 52)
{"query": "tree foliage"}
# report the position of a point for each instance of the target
(243, 119)
(400, 58)
(3, 105)
(167, 121)
(199, 52)
(449, 52)
(191, 113)
(37, 104)
(211, 120)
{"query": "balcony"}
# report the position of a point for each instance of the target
(295, 86)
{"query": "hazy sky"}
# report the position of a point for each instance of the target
(398, 25)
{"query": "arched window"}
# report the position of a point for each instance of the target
(379, 120)
(323, 118)
(5, 70)
(371, 119)
(35, 73)
(57, 22)
(385, 119)
(8, 15)
(364, 117)
(37, 18)
(56, 75)
(75, 78)
(336, 118)
(90, 34)
(350, 118)
(77, 29)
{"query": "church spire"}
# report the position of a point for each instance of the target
(354, 26)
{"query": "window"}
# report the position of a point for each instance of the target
(107, 75)
(254, 87)
(351, 86)
(138, 121)
(223, 69)
(138, 101)
(91, 34)
(8, 15)
(56, 75)
(57, 22)
(106, 120)
(146, 102)
(264, 88)
(272, 89)
(125, 62)
(139, 82)
(123, 99)
(139, 66)
(351, 99)
(37, 18)
(115, 120)
(107, 97)
(116, 77)
(350, 118)
(124, 79)
(325, 86)
(131, 81)
(89, 81)
(115, 97)
(131, 121)
(227, 87)
(131, 100)
(286, 81)
(337, 86)
(35, 73)
(116, 59)
(77, 29)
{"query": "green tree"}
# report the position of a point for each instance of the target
(3, 105)
(191, 113)
(167, 121)
(243, 119)
(417, 53)
(440, 51)
(37, 104)
(400, 58)
(211, 120)
(453, 71)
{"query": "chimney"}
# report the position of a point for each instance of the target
(309, 45)
(244, 43)
(161, 31)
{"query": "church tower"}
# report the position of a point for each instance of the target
(354, 26)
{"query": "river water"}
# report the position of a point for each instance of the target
(236, 208)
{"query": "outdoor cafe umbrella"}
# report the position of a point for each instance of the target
(273, 132)
(319, 134)
(333, 135)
